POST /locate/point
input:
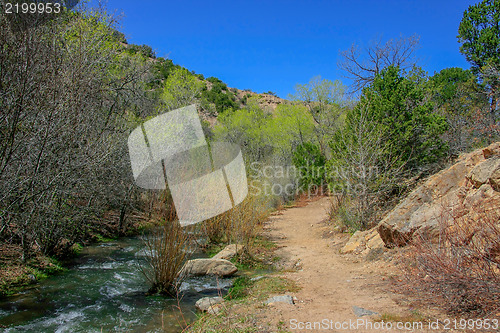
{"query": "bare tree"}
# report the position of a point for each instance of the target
(362, 65)
(361, 172)
(491, 76)
(67, 93)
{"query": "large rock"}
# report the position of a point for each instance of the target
(446, 195)
(487, 172)
(211, 305)
(363, 241)
(229, 252)
(220, 267)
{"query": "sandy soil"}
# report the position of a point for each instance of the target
(331, 283)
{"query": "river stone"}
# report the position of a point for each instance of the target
(280, 299)
(229, 252)
(219, 267)
(211, 305)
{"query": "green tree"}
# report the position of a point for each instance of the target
(457, 96)
(325, 101)
(290, 126)
(181, 88)
(246, 127)
(219, 95)
(407, 121)
(479, 34)
(310, 163)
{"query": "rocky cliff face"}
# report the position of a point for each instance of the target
(472, 182)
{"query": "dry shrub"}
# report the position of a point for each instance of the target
(237, 225)
(461, 269)
(167, 249)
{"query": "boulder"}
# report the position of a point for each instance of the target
(211, 305)
(229, 252)
(219, 267)
(363, 241)
(471, 182)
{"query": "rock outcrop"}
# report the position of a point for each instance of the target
(219, 267)
(472, 182)
(363, 242)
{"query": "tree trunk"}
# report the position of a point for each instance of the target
(493, 107)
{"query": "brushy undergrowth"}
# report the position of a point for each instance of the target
(460, 271)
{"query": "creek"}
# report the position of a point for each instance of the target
(103, 290)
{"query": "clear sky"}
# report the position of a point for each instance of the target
(273, 45)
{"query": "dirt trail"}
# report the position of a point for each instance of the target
(331, 283)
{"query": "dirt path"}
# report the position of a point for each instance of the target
(331, 283)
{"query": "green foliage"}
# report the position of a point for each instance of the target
(245, 127)
(479, 34)
(290, 126)
(310, 162)
(406, 119)
(76, 249)
(262, 134)
(326, 102)
(162, 68)
(181, 88)
(120, 36)
(321, 91)
(240, 288)
(219, 95)
(460, 99)
(145, 50)
(448, 83)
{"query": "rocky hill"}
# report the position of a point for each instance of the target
(266, 101)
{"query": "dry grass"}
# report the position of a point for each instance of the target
(461, 270)
(238, 225)
(166, 253)
(245, 313)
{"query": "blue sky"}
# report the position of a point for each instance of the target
(273, 45)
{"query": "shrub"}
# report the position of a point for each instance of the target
(237, 225)
(310, 162)
(461, 270)
(405, 118)
(166, 254)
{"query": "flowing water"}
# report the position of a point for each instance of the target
(104, 291)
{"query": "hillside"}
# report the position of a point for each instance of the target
(214, 92)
